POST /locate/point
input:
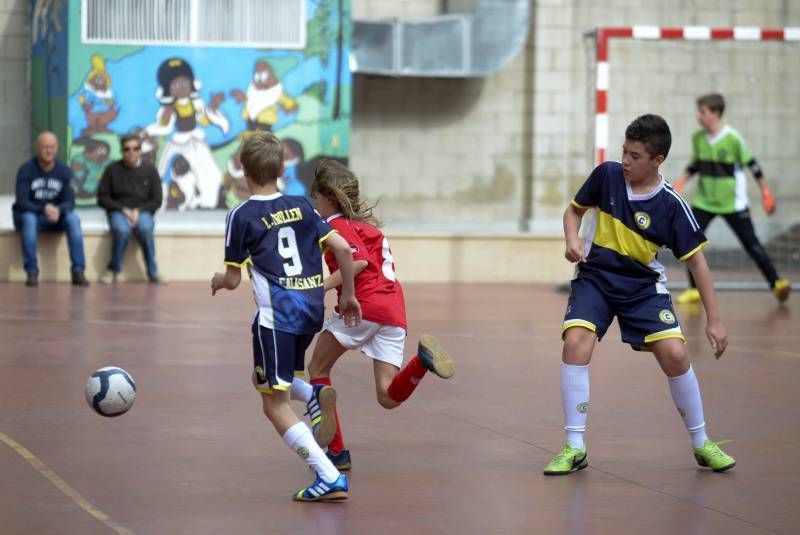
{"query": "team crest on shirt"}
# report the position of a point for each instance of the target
(302, 452)
(666, 316)
(642, 220)
(583, 408)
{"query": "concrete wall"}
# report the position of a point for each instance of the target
(458, 152)
(15, 106)
(191, 255)
(443, 153)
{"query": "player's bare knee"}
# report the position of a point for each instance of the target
(672, 357)
(578, 345)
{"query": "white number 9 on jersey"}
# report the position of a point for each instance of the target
(287, 247)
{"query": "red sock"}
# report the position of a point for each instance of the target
(337, 444)
(406, 380)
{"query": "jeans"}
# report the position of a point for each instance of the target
(121, 232)
(29, 224)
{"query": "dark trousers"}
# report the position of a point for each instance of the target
(742, 226)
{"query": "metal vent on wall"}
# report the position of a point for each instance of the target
(459, 46)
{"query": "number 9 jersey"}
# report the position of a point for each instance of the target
(281, 238)
(377, 289)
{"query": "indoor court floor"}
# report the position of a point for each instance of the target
(195, 454)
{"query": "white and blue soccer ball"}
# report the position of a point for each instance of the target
(110, 391)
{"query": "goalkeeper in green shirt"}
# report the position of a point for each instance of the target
(719, 156)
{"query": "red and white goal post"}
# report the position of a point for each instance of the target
(785, 248)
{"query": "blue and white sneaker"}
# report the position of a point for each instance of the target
(321, 408)
(435, 358)
(320, 491)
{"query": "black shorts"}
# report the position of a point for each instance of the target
(643, 319)
(277, 357)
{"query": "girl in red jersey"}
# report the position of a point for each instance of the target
(382, 332)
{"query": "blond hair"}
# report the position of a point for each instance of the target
(262, 157)
(337, 182)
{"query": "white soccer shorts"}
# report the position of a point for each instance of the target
(379, 342)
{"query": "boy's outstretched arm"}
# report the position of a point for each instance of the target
(715, 331)
(334, 280)
(228, 280)
(767, 198)
(688, 173)
(348, 304)
(572, 224)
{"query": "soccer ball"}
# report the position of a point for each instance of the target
(110, 391)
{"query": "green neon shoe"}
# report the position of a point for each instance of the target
(713, 457)
(569, 460)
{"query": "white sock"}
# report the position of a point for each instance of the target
(301, 390)
(685, 392)
(575, 400)
(301, 440)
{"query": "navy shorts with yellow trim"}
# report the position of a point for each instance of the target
(277, 357)
(643, 319)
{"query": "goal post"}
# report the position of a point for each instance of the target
(662, 70)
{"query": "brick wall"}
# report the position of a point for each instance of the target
(15, 107)
(458, 151)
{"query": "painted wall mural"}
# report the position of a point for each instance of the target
(192, 106)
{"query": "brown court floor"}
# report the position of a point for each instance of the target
(195, 454)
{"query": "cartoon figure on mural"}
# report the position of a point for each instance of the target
(97, 99)
(182, 113)
(298, 173)
(190, 133)
(88, 167)
(263, 98)
(290, 183)
(234, 186)
(181, 186)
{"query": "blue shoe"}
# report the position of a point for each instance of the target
(321, 408)
(434, 358)
(320, 491)
(340, 460)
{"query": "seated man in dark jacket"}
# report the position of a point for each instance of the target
(130, 192)
(45, 202)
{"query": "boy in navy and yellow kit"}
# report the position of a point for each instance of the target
(618, 274)
(279, 238)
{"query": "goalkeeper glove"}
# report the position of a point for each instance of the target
(767, 201)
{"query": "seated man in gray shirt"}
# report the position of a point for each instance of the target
(130, 192)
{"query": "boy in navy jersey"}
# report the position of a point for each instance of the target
(618, 274)
(280, 239)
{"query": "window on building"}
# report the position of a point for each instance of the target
(251, 23)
